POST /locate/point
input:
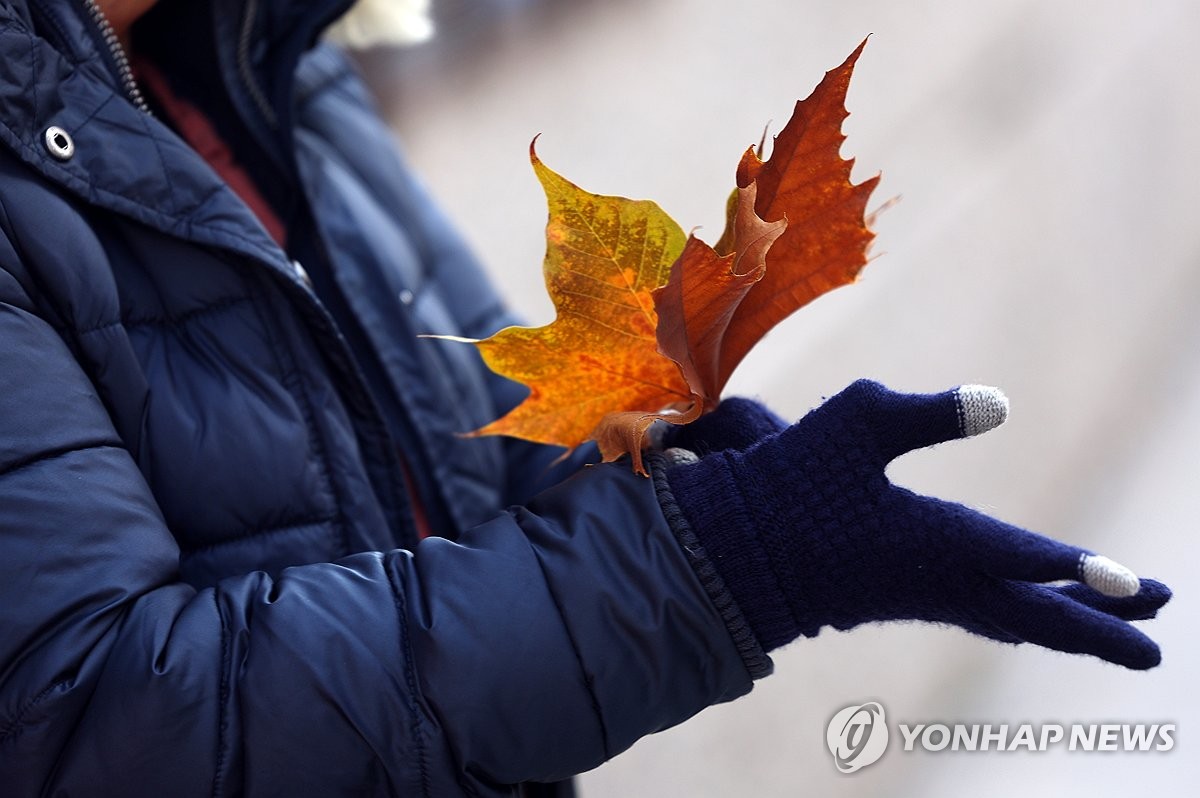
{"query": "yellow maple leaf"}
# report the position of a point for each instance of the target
(605, 257)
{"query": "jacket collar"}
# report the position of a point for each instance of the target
(57, 73)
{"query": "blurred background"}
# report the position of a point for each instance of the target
(1047, 157)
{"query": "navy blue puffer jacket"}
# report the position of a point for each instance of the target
(210, 583)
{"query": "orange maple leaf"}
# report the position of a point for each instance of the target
(605, 256)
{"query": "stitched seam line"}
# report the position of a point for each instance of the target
(54, 454)
(588, 682)
(37, 68)
(92, 115)
(180, 320)
(14, 725)
(960, 412)
(162, 161)
(223, 697)
(290, 379)
(254, 532)
(410, 679)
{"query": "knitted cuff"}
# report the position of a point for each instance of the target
(715, 508)
(757, 662)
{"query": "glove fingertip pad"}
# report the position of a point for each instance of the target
(980, 408)
(1109, 577)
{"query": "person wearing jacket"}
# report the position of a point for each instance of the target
(243, 550)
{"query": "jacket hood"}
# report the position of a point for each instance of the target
(242, 52)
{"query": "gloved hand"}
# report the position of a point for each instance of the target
(807, 531)
(735, 424)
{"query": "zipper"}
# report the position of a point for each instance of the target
(120, 59)
(246, 69)
(129, 83)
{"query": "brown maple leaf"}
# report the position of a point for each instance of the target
(701, 298)
(806, 181)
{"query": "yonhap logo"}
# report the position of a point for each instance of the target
(857, 736)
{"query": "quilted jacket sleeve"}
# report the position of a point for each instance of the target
(536, 646)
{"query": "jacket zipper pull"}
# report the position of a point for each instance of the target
(302, 273)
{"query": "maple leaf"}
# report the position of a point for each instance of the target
(706, 288)
(694, 308)
(649, 326)
(605, 256)
(806, 181)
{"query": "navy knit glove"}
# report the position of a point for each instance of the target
(806, 531)
(736, 423)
